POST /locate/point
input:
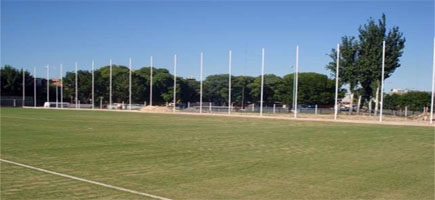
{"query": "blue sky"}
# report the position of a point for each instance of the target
(37, 33)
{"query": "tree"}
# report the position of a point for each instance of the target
(139, 88)
(189, 90)
(101, 85)
(69, 86)
(361, 61)
(84, 86)
(392, 101)
(11, 81)
(348, 69)
(414, 101)
(163, 86)
(371, 36)
(216, 89)
(12, 84)
(271, 86)
(141, 84)
(241, 93)
(313, 88)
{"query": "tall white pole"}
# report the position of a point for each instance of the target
(296, 83)
(262, 81)
(34, 86)
(110, 85)
(294, 88)
(129, 86)
(61, 86)
(48, 83)
(77, 91)
(229, 81)
(433, 84)
(93, 84)
(336, 82)
(175, 82)
(151, 81)
(382, 81)
(200, 85)
(24, 87)
(57, 95)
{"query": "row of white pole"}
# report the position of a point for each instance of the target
(295, 88)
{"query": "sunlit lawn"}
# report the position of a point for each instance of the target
(206, 157)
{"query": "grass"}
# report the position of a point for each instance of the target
(205, 157)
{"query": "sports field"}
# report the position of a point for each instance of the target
(210, 157)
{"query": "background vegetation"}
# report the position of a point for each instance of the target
(313, 88)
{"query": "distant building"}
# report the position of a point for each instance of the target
(400, 91)
(56, 82)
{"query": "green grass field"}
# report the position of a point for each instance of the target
(206, 157)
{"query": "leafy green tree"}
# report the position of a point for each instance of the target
(120, 84)
(216, 89)
(361, 61)
(102, 84)
(271, 87)
(84, 86)
(141, 84)
(392, 101)
(69, 86)
(313, 88)
(163, 86)
(12, 82)
(348, 69)
(241, 93)
(189, 90)
(414, 100)
(371, 36)
(120, 81)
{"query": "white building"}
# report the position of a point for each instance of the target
(399, 91)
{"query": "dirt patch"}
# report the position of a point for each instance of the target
(156, 109)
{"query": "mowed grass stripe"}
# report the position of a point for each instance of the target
(23, 183)
(84, 180)
(203, 157)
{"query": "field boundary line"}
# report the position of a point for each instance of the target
(236, 115)
(85, 180)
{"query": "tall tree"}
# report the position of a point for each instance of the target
(348, 69)
(371, 36)
(361, 61)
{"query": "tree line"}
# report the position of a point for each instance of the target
(412, 100)
(313, 88)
